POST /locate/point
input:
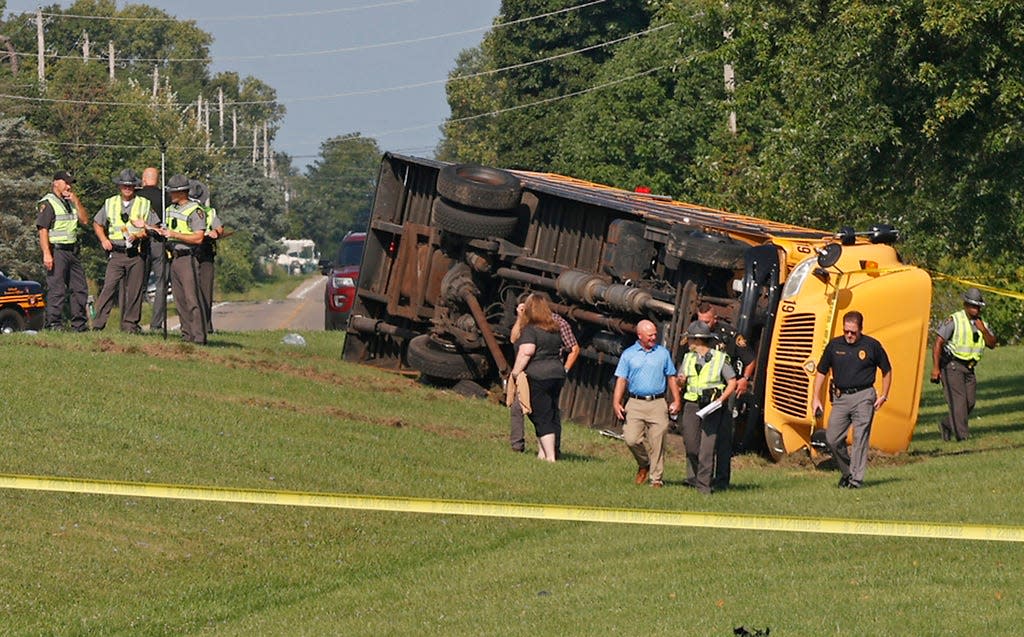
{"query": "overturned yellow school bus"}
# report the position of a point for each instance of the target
(450, 248)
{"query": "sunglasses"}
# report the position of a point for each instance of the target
(851, 332)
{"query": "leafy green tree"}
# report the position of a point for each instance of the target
(144, 38)
(647, 126)
(336, 194)
(524, 95)
(24, 177)
(473, 89)
(249, 203)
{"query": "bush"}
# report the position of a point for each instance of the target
(234, 268)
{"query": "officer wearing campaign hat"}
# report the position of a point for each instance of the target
(708, 378)
(973, 297)
(960, 341)
(699, 329)
(741, 358)
(185, 229)
(60, 213)
(120, 225)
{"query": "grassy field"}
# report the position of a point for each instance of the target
(250, 412)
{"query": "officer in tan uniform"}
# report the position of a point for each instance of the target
(959, 343)
(185, 229)
(117, 226)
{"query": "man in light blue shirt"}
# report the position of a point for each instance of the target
(644, 372)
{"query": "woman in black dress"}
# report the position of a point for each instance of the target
(539, 346)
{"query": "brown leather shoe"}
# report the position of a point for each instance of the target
(657, 484)
(641, 475)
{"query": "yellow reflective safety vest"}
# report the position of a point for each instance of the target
(115, 225)
(211, 214)
(177, 218)
(65, 225)
(709, 376)
(962, 343)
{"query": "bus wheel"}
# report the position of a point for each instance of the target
(479, 187)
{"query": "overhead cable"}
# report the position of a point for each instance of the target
(379, 134)
(349, 49)
(363, 92)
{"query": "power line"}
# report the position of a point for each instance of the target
(376, 135)
(297, 14)
(363, 92)
(336, 51)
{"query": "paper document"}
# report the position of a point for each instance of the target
(711, 407)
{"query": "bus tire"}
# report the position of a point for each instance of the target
(434, 359)
(479, 187)
(475, 224)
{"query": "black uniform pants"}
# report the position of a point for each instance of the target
(66, 282)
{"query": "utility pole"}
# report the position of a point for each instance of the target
(110, 57)
(156, 80)
(85, 46)
(730, 81)
(206, 124)
(234, 128)
(199, 112)
(220, 112)
(41, 46)
(266, 151)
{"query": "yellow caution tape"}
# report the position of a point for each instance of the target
(516, 510)
(981, 286)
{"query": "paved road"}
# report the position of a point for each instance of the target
(302, 311)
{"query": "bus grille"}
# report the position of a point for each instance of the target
(790, 383)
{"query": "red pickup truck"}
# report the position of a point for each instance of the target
(342, 276)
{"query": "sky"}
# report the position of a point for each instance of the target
(383, 60)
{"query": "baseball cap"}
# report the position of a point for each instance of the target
(63, 175)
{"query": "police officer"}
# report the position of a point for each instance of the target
(60, 212)
(740, 357)
(120, 227)
(959, 343)
(186, 226)
(708, 378)
(207, 251)
(853, 359)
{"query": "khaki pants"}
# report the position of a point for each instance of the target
(644, 433)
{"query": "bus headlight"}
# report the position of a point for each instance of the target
(796, 278)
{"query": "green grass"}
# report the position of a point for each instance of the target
(250, 412)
